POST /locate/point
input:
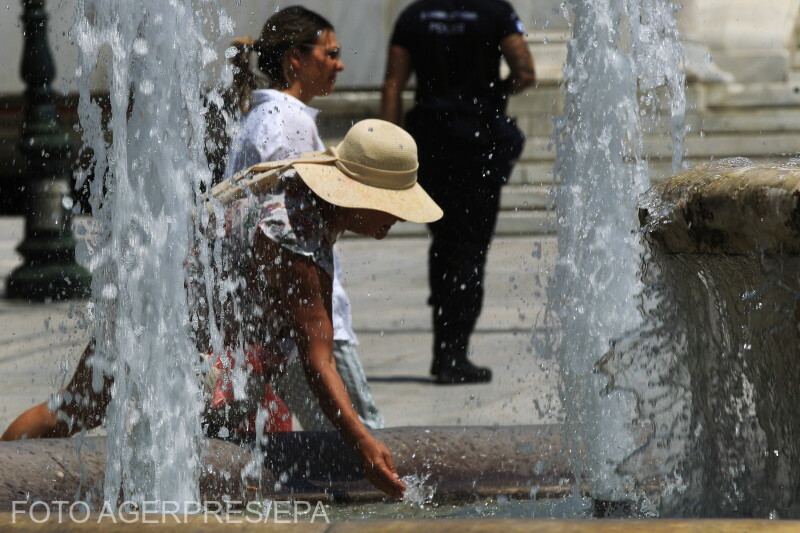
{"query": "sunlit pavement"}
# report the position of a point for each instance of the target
(387, 284)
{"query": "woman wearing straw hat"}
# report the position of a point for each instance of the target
(277, 223)
(300, 56)
(280, 221)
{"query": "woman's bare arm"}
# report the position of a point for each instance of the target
(83, 408)
(307, 290)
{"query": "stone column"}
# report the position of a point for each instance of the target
(698, 59)
(751, 40)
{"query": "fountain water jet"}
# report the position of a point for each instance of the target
(146, 183)
(620, 54)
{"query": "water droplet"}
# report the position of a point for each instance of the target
(109, 291)
(208, 56)
(140, 46)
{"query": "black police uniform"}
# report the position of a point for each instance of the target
(467, 149)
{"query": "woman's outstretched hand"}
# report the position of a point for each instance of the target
(379, 468)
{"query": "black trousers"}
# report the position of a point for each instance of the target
(464, 160)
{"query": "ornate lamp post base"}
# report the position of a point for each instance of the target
(47, 279)
(50, 270)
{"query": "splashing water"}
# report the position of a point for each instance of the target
(621, 52)
(417, 492)
(147, 181)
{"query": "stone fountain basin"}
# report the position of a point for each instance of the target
(462, 462)
(725, 239)
(733, 207)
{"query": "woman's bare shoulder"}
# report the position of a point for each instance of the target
(287, 270)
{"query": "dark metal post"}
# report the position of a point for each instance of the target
(50, 270)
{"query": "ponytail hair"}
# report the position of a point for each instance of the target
(287, 29)
(244, 79)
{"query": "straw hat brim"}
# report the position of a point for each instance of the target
(332, 185)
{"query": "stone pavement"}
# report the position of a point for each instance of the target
(386, 281)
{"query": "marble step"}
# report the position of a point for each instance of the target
(757, 145)
(716, 145)
(745, 121)
(535, 167)
(524, 211)
(510, 223)
(542, 36)
(525, 197)
(752, 95)
(550, 58)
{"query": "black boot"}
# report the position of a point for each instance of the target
(461, 372)
(450, 365)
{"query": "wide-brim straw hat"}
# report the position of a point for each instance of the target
(374, 167)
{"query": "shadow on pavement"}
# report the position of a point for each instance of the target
(400, 379)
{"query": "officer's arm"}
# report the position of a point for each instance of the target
(398, 70)
(520, 62)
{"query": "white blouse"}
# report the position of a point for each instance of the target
(279, 126)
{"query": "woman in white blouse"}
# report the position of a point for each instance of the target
(300, 56)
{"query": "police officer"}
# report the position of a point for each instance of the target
(467, 148)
